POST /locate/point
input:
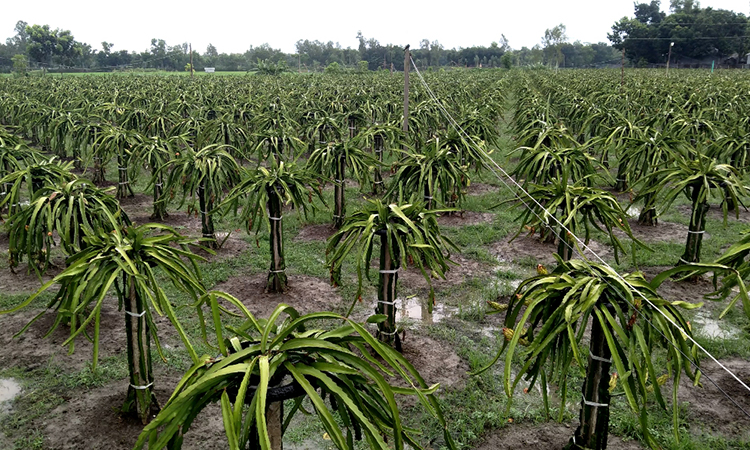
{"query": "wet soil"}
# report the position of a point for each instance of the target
(69, 426)
(464, 218)
(527, 246)
(547, 436)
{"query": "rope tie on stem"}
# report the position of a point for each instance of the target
(277, 271)
(141, 388)
(599, 358)
(134, 314)
(389, 334)
(275, 218)
(696, 232)
(389, 271)
(600, 405)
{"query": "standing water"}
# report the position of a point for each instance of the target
(9, 389)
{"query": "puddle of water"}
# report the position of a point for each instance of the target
(633, 211)
(414, 308)
(491, 331)
(711, 328)
(308, 444)
(9, 389)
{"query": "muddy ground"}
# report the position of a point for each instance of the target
(89, 418)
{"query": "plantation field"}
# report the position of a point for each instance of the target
(637, 170)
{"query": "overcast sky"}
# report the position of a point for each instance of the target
(232, 27)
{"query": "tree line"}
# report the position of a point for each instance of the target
(41, 47)
(694, 33)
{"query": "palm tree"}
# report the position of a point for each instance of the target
(700, 179)
(549, 313)
(204, 174)
(265, 192)
(127, 260)
(407, 232)
(338, 364)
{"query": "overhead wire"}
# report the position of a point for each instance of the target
(583, 245)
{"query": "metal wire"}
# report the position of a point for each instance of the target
(585, 247)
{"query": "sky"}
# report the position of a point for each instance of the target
(232, 27)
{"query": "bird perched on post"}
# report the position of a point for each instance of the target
(406, 49)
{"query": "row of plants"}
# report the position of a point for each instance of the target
(104, 251)
(548, 314)
(571, 127)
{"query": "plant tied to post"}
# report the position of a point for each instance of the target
(264, 192)
(546, 322)
(32, 177)
(269, 361)
(71, 209)
(406, 232)
(201, 175)
(436, 171)
(575, 207)
(333, 160)
(700, 178)
(127, 260)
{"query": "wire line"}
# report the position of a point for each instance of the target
(586, 247)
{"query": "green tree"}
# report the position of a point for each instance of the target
(47, 46)
(21, 39)
(552, 40)
(506, 61)
(20, 65)
(692, 29)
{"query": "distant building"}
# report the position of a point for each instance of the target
(209, 69)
